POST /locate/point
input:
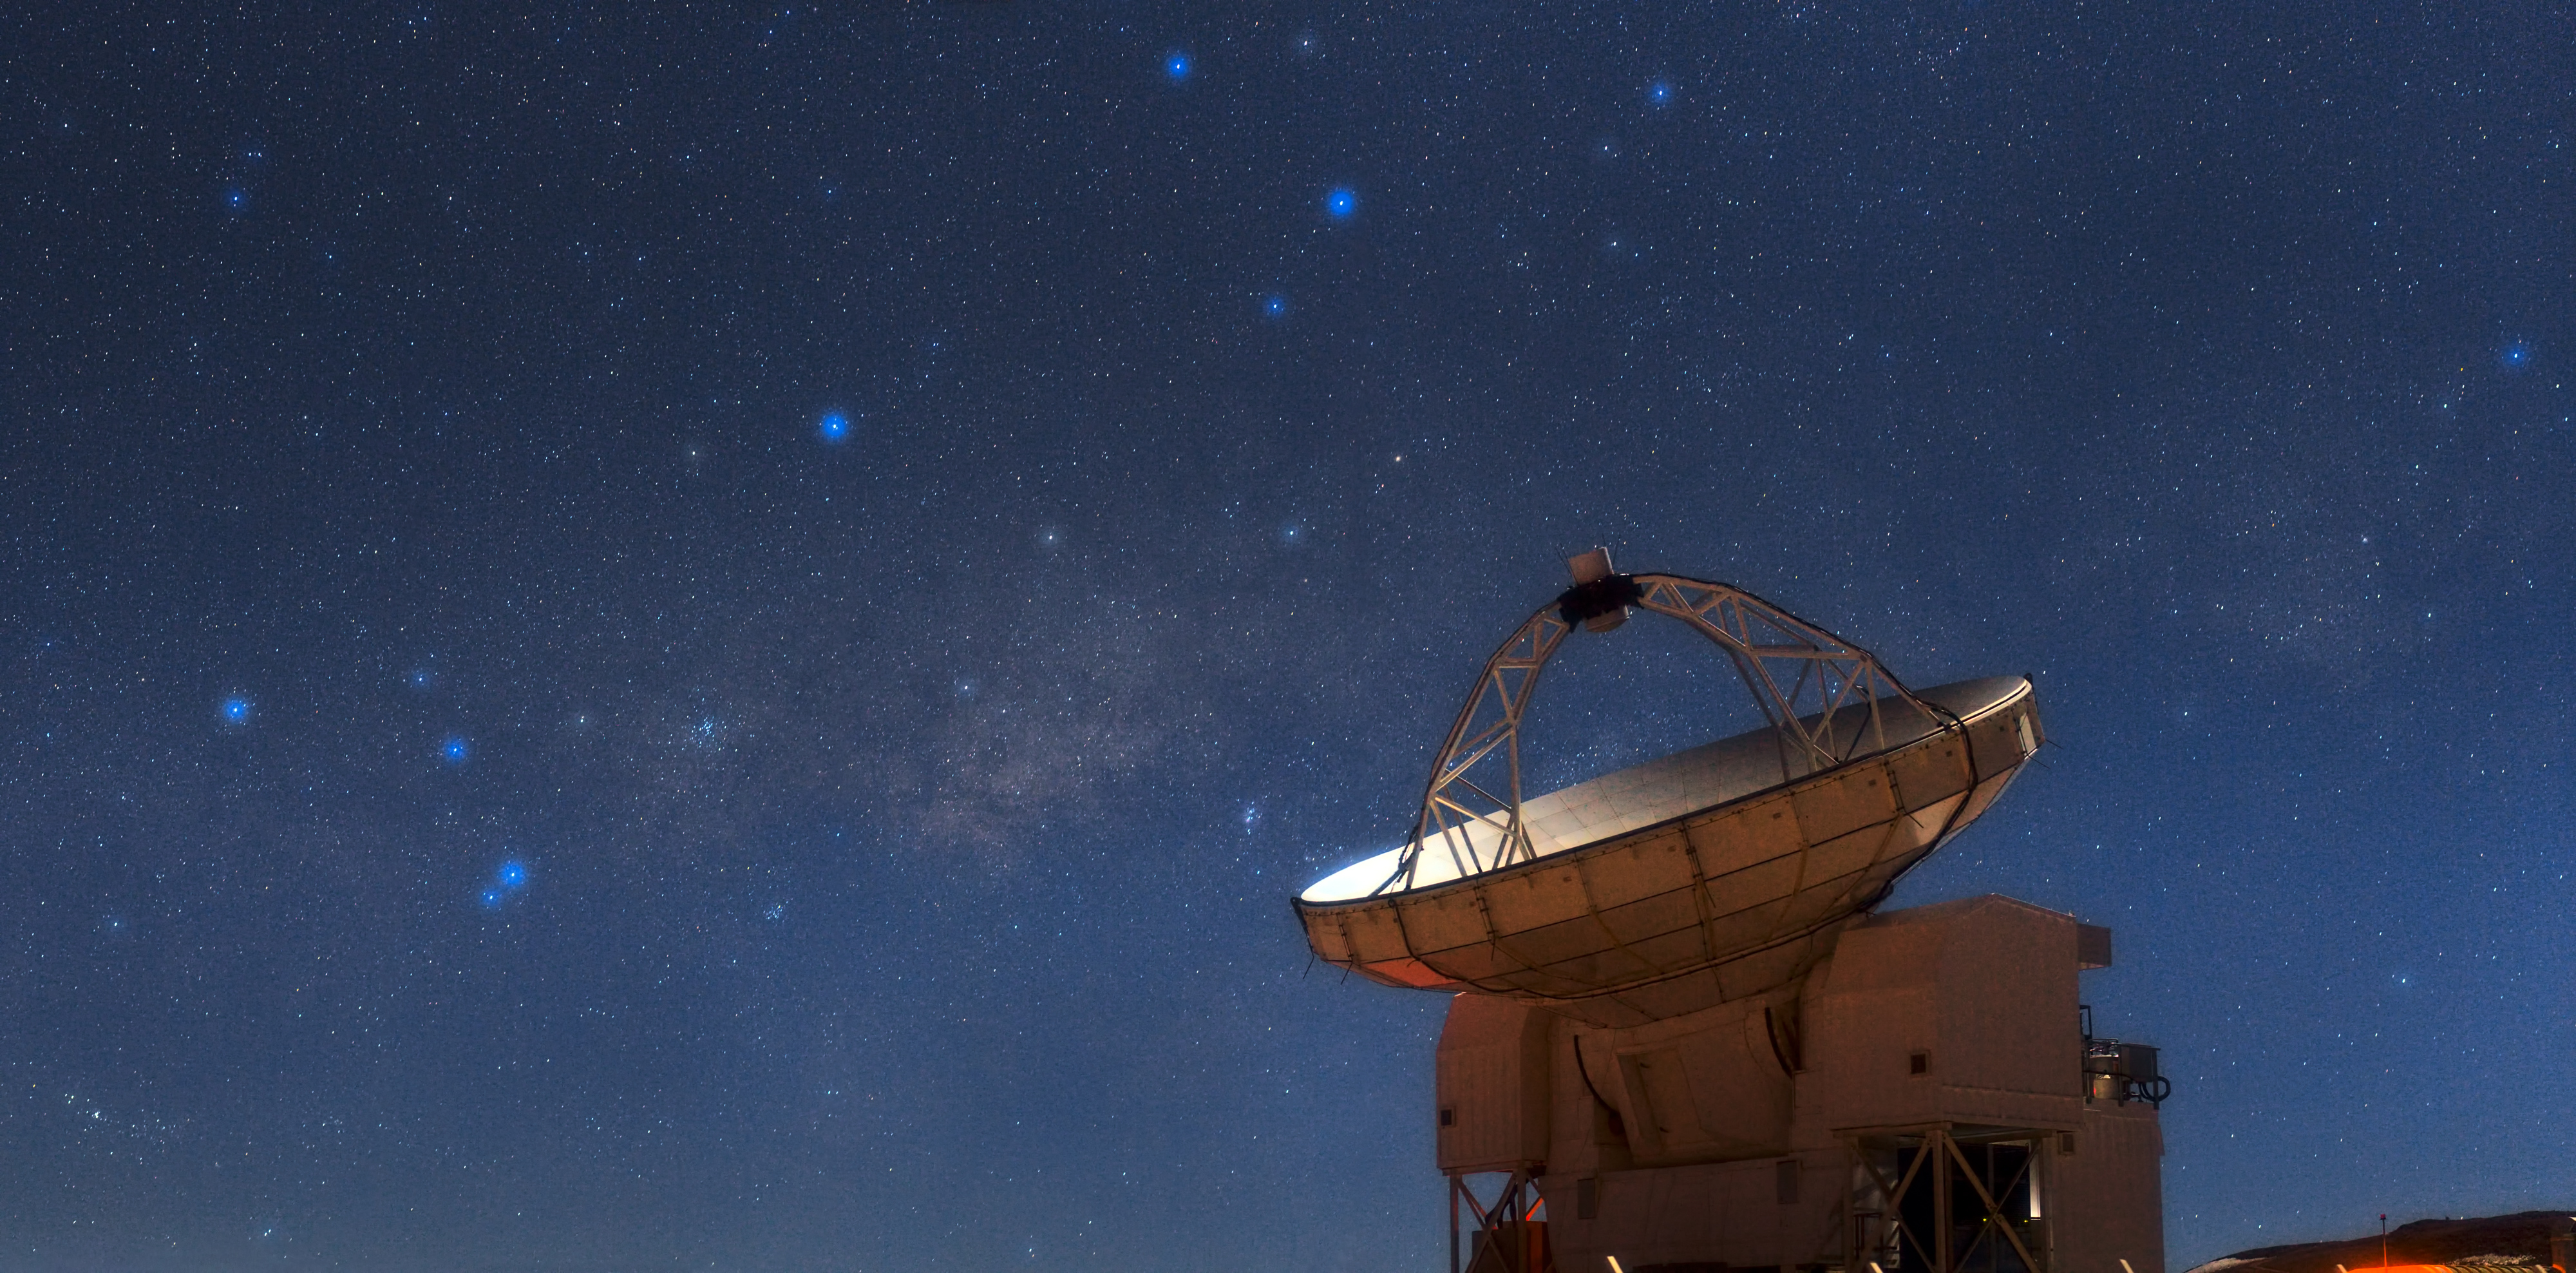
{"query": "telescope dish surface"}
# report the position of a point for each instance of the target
(1714, 874)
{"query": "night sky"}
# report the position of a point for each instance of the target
(714, 639)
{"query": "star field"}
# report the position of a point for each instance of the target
(713, 639)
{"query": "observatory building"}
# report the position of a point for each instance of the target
(1684, 1039)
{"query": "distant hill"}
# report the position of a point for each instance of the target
(2518, 1239)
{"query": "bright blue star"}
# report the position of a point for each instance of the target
(508, 878)
(1659, 93)
(2515, 354)
(454, 750)
(236, 709)
(1177, 65)
(1341, 201)
(834, 429)
(422, 678)
(236, 198)
(1275, 305)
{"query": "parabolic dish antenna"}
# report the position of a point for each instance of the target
(1713, 874)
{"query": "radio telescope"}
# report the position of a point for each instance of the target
(1711, 875)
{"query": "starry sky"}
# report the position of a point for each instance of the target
(712, 638)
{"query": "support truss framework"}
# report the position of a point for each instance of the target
(1820, 695)
(1500, 1241)
(1975, 1210)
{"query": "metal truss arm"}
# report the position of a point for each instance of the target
(1820, 695)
